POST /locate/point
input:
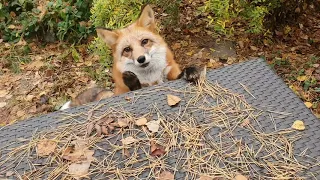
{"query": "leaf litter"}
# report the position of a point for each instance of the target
(210, 149)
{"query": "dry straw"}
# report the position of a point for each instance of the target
(216, 134)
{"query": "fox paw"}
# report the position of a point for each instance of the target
(131, 80)
(191, 74)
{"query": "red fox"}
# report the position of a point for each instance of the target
(141, 58)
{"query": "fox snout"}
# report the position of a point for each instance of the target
(141, 59)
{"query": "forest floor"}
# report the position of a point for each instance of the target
(37, 78)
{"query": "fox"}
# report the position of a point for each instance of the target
(141, 58)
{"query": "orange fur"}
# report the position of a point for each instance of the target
(115, 40)
(159, 58)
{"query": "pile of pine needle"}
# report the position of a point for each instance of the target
(215, 134)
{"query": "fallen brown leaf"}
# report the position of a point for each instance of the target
(123, 122)
(98, 129)
(308, 104)
(29, 97)
(253, 48)
(35, 65)
(189, 53)
(241, 44)
(126, 152)
(67, 151)
(153, 126)
(80, 152)
(2, 104)
(301, 78)
(298, 125)
(78, 155)
(127, 98)
(141, 121)
(176, 46)
(172, 100)
(3, 93)
(209, 64)
(205, 178)
(240, 177)
(89, 129)
(128, 140)
(78, 170)
(156, 150)
(104, 130)
(166, 175)
(45, 147)
(20, 113)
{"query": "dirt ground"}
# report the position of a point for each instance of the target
(37, 79)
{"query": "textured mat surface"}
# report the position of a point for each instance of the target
(269, 90)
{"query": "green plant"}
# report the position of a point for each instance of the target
(18, 56)
(219, 14)
(115, 13)
(255, 14)
(66, 20)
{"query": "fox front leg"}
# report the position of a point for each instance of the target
(191, 74)
(131, 80)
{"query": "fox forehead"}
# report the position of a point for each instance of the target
(132, 36)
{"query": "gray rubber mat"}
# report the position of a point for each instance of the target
(269, 90)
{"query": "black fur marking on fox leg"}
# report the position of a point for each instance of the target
(191, 74)
(131, 80)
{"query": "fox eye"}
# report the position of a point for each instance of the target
(127, 49)
(144, 42)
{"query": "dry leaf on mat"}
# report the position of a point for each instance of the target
(126, 152)
(128, 140)
(104, 130)
(127, 98)
(156, 150)
(80, 152)
(153, 126)
(173, 100)
(141, 122)
(46, 147)
(205, 178)
(98, 129)
(123, 122)
(166, 175)
(78, 170)
(240, 177)
(89, 129)
(78, 155)
(298, 125)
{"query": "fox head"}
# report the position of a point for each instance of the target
(137, 47)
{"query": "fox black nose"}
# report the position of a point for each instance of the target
(141, 59)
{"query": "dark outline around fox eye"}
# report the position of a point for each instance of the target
(127, 49)
(144, 42)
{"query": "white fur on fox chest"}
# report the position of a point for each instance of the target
(155, 72)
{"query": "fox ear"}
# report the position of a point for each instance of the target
(108, 36)
(146, 18)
